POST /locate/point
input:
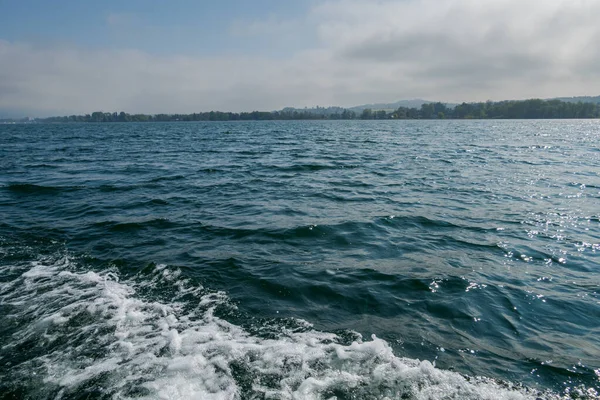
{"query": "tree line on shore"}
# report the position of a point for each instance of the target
(522, 109)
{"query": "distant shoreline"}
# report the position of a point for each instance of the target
(517, 109)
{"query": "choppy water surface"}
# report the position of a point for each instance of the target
(300, 260)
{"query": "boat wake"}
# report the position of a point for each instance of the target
(77, 332)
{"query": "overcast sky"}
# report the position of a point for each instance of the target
(151, 56)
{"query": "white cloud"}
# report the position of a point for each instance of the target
(368, 51)
(121, 19)
(272, 25)
(65, 80)
(490, 49)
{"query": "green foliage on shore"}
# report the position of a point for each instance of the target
(524, 109)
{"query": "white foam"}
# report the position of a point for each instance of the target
(179, 350)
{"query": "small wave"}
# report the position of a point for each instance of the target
(157, 223)
(117, 188)
(42, 166)
(312, 167)
(345, 233)
(167, 178)
(32, 189)
(79, 333)
(159, 202)
(209, 170)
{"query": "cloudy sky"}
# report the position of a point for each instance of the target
(73, 56)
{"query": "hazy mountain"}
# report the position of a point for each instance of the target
(414, 103)
(9, 114)
(316, 110)
(582, 99)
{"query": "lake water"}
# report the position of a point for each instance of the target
(300, 260)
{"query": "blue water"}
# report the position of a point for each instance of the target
(300, 260)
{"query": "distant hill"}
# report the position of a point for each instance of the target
(387, 107)
(567, 107)
(414, 103)
(315, 110)
(582, 99)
